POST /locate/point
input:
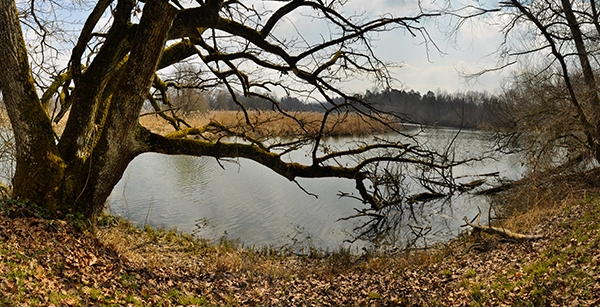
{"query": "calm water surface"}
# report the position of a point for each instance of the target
(244, 200)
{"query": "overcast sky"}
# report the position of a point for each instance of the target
(423, 67)
(469, 52)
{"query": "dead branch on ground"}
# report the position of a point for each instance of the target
(505, 233)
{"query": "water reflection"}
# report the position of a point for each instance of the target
(243, 200)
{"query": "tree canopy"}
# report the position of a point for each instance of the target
(114, 68)
(552, 105)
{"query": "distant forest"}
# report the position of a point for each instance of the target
(467, 110)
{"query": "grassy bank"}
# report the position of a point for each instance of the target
(52, 263)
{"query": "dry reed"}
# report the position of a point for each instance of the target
(266, 124)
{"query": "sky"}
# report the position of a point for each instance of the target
(421, 67)
(424, 67)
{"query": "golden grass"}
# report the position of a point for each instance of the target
(540, 196)
(167, 250)
(265, 124)
(274, 124)
(171, 251)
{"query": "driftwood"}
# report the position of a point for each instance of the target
(464, 187)
(497, 189)
(505, 233)
(425, 197)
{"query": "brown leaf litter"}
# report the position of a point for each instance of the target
(47, 262)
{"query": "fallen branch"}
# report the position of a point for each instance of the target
(464, 187)
(425, 197)
(497, 189)
(500, 231)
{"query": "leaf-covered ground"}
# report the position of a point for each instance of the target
(49, 263)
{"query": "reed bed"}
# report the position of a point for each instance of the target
(266, 124)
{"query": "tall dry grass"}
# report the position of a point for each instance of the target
(541, 195)
(266, 124)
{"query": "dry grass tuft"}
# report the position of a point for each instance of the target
(172, 251)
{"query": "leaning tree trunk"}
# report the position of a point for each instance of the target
(119, 143)
(40, 169)
(81, 183)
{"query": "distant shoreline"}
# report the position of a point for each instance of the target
(266, 124)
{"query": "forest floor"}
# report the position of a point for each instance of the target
(46, 262)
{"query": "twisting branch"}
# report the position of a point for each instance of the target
(162, 87)
(85, 36)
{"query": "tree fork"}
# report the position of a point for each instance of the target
(117, 144)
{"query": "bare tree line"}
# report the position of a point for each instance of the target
(473, 110)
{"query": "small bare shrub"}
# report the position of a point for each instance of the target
(540, 196)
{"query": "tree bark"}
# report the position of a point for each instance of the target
(117, 144)
(40, 168)
(80, 131)
(591, 93)
(82, 183)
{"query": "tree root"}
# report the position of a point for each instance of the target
(505, 233)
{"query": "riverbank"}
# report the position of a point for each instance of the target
(52, 263)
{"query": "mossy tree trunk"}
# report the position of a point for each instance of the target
(118, 142)
(94, 151)
(40, 169)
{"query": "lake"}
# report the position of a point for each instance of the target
(245, 201)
